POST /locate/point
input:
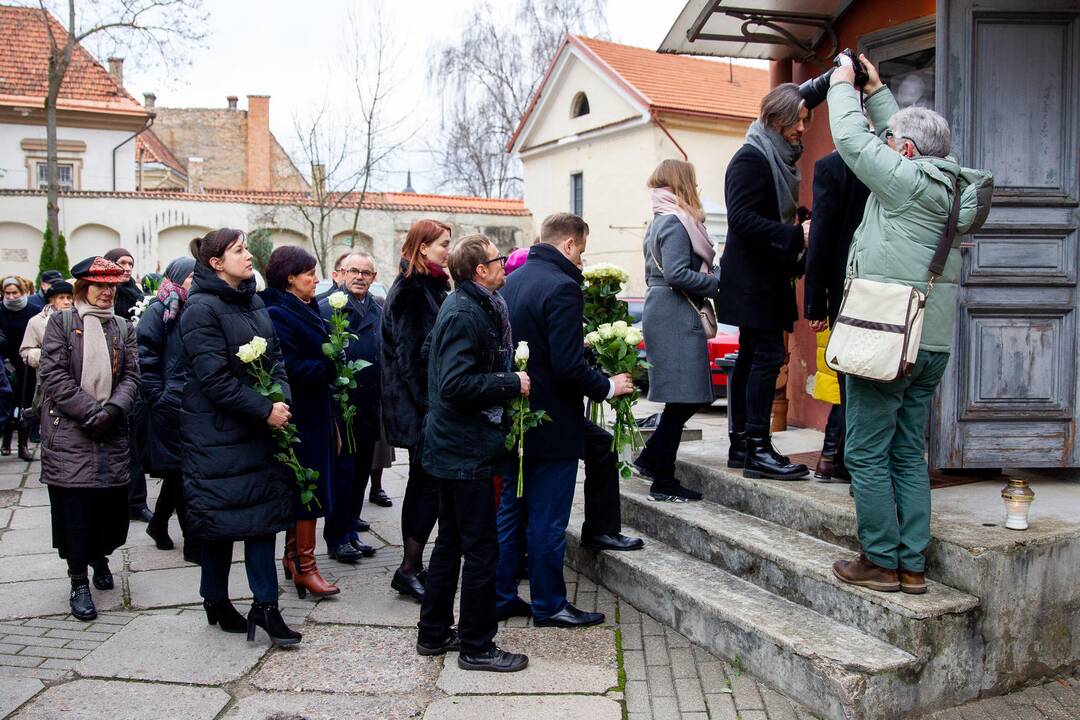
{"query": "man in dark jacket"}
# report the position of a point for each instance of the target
(763, 255)
(354, 275)
(839, 201)
(469, 387)
(546, 307)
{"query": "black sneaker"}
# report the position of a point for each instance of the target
(494, 660)
(450, 644)
(673, 492)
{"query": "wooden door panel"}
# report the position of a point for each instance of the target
(1038, 255)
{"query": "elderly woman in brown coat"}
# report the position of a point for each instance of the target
(90, 370)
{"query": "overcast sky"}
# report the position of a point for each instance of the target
(291, 51)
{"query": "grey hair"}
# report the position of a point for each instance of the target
(926, 128)
(782, 106)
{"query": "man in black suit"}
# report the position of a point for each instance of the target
(546, 308)
(839, 201)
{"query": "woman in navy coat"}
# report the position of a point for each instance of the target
(290, 298)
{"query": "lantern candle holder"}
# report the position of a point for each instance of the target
(1017, 497)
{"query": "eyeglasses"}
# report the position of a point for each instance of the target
(889, 135)
(501, 260)
(353, 272)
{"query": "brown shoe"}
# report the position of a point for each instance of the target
(911, 582)
(831, 469)
(864, 573)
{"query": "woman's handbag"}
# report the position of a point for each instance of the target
(879, 328)
(706, 314)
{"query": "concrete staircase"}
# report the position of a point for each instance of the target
(747, 574)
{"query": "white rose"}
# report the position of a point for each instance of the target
(633, 337)
(606, 331)
(259, 343)
(521, 355)
(247, 353)
(593, 339)
(338, 300)
(620, 327)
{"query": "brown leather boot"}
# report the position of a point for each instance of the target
(289, 558)
(306, 576)
(864, 573)
(912, 582)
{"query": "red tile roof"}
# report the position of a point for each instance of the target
(392, 201)
(24, 64)
(155, 151)
(668, 83)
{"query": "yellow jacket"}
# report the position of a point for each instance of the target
(826, 386)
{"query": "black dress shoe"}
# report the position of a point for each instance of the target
(103, 577)
(408, 585)
(142, 513)
(494, 660)
(450, 644)
(362, 525)
(516, 608)
(160, 536)
(618, 541)
(82, 604)
(570, 617)
(344, 553)
(381, 499)
(365, 550)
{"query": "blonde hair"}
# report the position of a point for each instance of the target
(679, 177)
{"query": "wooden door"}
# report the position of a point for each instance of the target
(1009, 82)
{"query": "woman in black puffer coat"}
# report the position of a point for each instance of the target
(409, 313)
(234, 489)
(163, 381)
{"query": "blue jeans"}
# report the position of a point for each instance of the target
(259, 563)
(545, 505)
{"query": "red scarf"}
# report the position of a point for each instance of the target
(438, 271)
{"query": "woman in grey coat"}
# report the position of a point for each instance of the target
(680, 278)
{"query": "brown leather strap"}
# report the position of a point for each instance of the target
(941, 254)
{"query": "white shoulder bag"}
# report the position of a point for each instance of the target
(879, 328)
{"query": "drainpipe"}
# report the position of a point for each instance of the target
(656, 121)
(140, 131)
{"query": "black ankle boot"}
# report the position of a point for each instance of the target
(268, 617)
(223, 614)
(736, 456)
(103, 577)
(82, 603)
(763, 461)
(159, 532)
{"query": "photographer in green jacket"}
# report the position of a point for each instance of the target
(912, 178)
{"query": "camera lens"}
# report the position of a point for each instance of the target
(815, 90)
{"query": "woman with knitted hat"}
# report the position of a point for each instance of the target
(90, 372)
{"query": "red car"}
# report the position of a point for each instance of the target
(726, 341)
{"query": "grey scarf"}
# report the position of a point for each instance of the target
(97, 361)
(782, 157)
(17, 304)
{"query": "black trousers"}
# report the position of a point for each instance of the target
(753, 381)
(603, 516)
(259, 563)
(663, 446)
(171, 499)
(466, 531)
(351, 474)
(420, 507)
(136, 442)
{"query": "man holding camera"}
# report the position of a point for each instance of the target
(912, 181)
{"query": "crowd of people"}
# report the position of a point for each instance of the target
(121, 387)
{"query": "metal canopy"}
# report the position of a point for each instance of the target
(762, 29)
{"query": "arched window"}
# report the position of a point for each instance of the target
(580, 105)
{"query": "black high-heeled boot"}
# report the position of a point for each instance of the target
(268, 617)
(223, 614)
(82, 603)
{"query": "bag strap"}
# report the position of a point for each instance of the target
(67, 321)
(697, 308)
(945, 243)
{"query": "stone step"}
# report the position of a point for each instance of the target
(835, 669)
(934, 627)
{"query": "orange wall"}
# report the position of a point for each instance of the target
(862, 17)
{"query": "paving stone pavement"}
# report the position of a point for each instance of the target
(150, 653)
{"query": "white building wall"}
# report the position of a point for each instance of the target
(94, 165)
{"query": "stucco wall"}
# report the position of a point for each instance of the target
(96, 162)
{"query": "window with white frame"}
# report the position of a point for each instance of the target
(65, 175)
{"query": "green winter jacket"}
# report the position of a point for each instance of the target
(908, 206)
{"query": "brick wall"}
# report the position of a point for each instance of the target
(258, 142)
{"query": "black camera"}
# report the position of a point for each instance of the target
(815, 90)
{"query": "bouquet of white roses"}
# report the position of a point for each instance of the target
(522, 418)
(251, 354)
(602, 284)
(340, 337)
(615, 345)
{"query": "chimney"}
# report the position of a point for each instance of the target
(195, 174)
(232, 101)
(318, 179)
(116, 69)
(258, 142)
(148, 100)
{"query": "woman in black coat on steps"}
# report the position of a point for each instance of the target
(409, 313)
(233, 487)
